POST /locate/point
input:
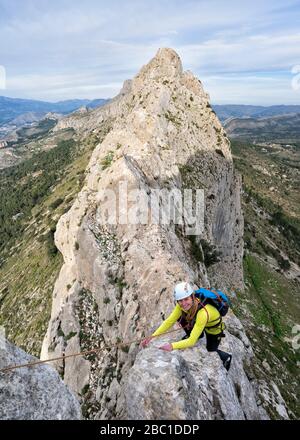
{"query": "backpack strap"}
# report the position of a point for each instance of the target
(190, 325)
(218, 319)
(217, 295)
(202, 306)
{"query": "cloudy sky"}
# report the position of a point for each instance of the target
(244, 52)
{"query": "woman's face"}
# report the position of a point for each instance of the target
(186, 303)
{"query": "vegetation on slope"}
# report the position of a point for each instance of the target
(33, 196)
(270, 306)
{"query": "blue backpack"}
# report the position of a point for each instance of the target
(215, 298)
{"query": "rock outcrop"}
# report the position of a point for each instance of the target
(117, 279)
(192, 384)
(35, 393)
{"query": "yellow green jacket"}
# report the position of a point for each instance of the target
(206, 317)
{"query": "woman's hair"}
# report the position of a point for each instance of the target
(190, 314)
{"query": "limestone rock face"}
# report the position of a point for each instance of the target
(118, 276)
(192, 384)
(35, 393)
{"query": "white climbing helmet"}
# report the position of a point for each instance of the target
(182, 290)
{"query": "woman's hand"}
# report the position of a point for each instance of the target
(146, 341)
(166, 347)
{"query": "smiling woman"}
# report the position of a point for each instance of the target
(186, 303)
(196, 317)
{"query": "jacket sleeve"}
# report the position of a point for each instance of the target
(201, 320)
(169, 321)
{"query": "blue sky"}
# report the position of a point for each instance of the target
(243, 52)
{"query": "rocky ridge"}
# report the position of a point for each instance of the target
(116, 281)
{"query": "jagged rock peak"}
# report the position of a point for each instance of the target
(126, 87)
(53, 115)
(81, 110)
(166, 63)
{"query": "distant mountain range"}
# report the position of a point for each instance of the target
(280, 128)
(225, 112)
(243, 121)
(12, 108)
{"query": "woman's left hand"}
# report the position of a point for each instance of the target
(166, 347)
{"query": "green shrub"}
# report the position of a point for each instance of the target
(107, 161)
(85, 389)
(60, 332)
(70, 335)
(49, 239)
(211, 255)
(196, 249)
(284, 264)
(56, 203)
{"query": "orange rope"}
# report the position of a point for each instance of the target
(81, 353)
(87, 352)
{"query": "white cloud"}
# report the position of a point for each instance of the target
(2, 78)
(253, 53)
(94, 46)
(251, 89)
(48, 87)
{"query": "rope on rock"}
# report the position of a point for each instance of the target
(81, 353)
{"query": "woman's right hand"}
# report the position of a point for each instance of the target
(146, 341)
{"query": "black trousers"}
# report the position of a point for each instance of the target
(212, 343)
